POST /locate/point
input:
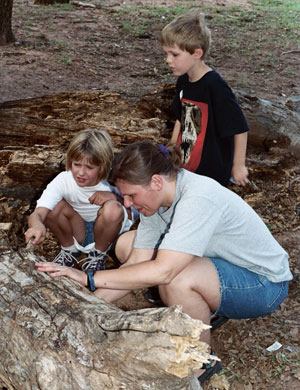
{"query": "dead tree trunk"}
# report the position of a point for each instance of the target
(6, 34)
(277, 121)
(57, 335)
(35, 133)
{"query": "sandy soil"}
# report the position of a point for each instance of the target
(81, 47)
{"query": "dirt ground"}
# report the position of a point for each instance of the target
(83, 47)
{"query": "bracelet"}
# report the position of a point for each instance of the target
(90, 280)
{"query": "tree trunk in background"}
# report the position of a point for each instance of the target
(6, 34)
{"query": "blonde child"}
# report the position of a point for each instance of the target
(210, 128)
(83, 211)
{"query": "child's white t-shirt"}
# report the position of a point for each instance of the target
(63, 186)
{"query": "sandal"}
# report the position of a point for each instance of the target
(210, 369)
(216, 321)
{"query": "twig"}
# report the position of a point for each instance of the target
(290, 51)
(81, 4)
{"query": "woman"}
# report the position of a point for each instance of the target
(204, 247)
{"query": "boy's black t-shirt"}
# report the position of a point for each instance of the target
(210, 117)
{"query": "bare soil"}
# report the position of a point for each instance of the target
(81, 48)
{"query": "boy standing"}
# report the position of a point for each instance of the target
(83, 211)
(210, 128)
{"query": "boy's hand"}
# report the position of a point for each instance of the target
(36, 235)
(100, 197)
(59, 270)
(240, 174)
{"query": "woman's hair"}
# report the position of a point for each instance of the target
(189, 32)
(93, 145)
(139, 161)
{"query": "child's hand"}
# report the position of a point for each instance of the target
(100, 197)
(59, 270)
(35, 235)
(240, 174)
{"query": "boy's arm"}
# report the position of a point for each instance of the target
(175, 133)
(37, 229)
(239, 170)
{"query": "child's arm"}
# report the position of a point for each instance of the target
(175, 133)
(37, 229)
(239, 170)
(100, 197)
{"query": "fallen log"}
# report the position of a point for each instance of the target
(57, 335)
(275, 121)
(272, 123)
(35, 134)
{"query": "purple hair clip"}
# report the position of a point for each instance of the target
(165, 151)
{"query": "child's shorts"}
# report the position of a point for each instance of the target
(127, 223)
(245, 294)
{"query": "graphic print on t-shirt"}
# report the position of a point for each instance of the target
(192, 133)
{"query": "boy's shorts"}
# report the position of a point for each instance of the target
(245, 294)
(127, 223)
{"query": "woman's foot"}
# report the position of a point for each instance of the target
(209, 369)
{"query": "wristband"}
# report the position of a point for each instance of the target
(90, 280)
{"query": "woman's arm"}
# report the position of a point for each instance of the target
(136, 273)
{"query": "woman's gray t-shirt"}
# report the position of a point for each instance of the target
(207, 219)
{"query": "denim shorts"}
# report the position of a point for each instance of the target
(245, 294)
(89, 233)
(126, 225)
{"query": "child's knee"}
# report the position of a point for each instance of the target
(112, 211)
(62, 205)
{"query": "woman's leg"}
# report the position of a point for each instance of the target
(65, 223)
(123, 249)
(197, 289)
(124, 246)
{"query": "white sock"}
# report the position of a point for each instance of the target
(71, 248)
(99, 251)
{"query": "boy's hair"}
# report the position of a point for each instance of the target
(93, 145)
(189, 32)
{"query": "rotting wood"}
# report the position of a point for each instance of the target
(56, 335)
(35, 133)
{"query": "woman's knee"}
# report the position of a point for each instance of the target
(124, 245)
(179, 285)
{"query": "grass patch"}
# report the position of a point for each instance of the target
(267, 20)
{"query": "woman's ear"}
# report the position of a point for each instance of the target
(156, 182)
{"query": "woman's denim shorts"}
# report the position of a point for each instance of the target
(245, 294)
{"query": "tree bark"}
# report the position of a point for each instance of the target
(57, 335)
(269, 121)
(6, 34)
(35, 134)
(272, 121)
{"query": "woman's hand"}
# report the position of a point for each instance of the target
(59, 270)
